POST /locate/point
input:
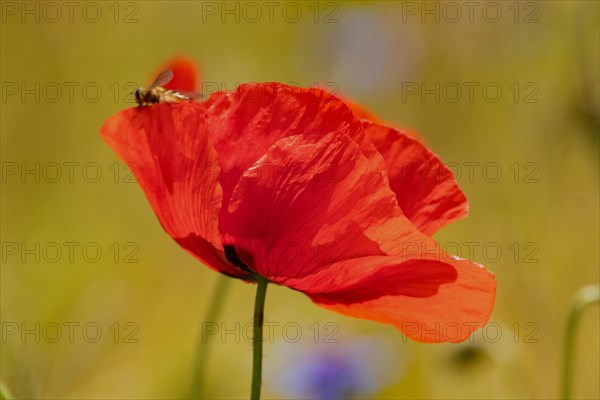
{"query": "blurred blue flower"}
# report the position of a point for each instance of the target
(353, 369)
(365, 53)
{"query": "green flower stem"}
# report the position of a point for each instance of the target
(259, 314)
(204, 343)
(5, 393)
(586, 296)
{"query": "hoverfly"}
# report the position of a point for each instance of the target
(155, 93)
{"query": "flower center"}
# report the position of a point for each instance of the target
(232, 256)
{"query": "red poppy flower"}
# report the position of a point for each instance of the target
(288, 183)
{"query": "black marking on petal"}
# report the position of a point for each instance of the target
(233, 257)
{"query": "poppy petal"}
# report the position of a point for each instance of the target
(185, 74)
(309, 203)
(366, 278)
(246, 123)
(425, 188)
(167, 149)
(404, 297)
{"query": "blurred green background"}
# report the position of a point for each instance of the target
(63, 188)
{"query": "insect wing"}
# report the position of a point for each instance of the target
(190, 95)
(162, 79)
